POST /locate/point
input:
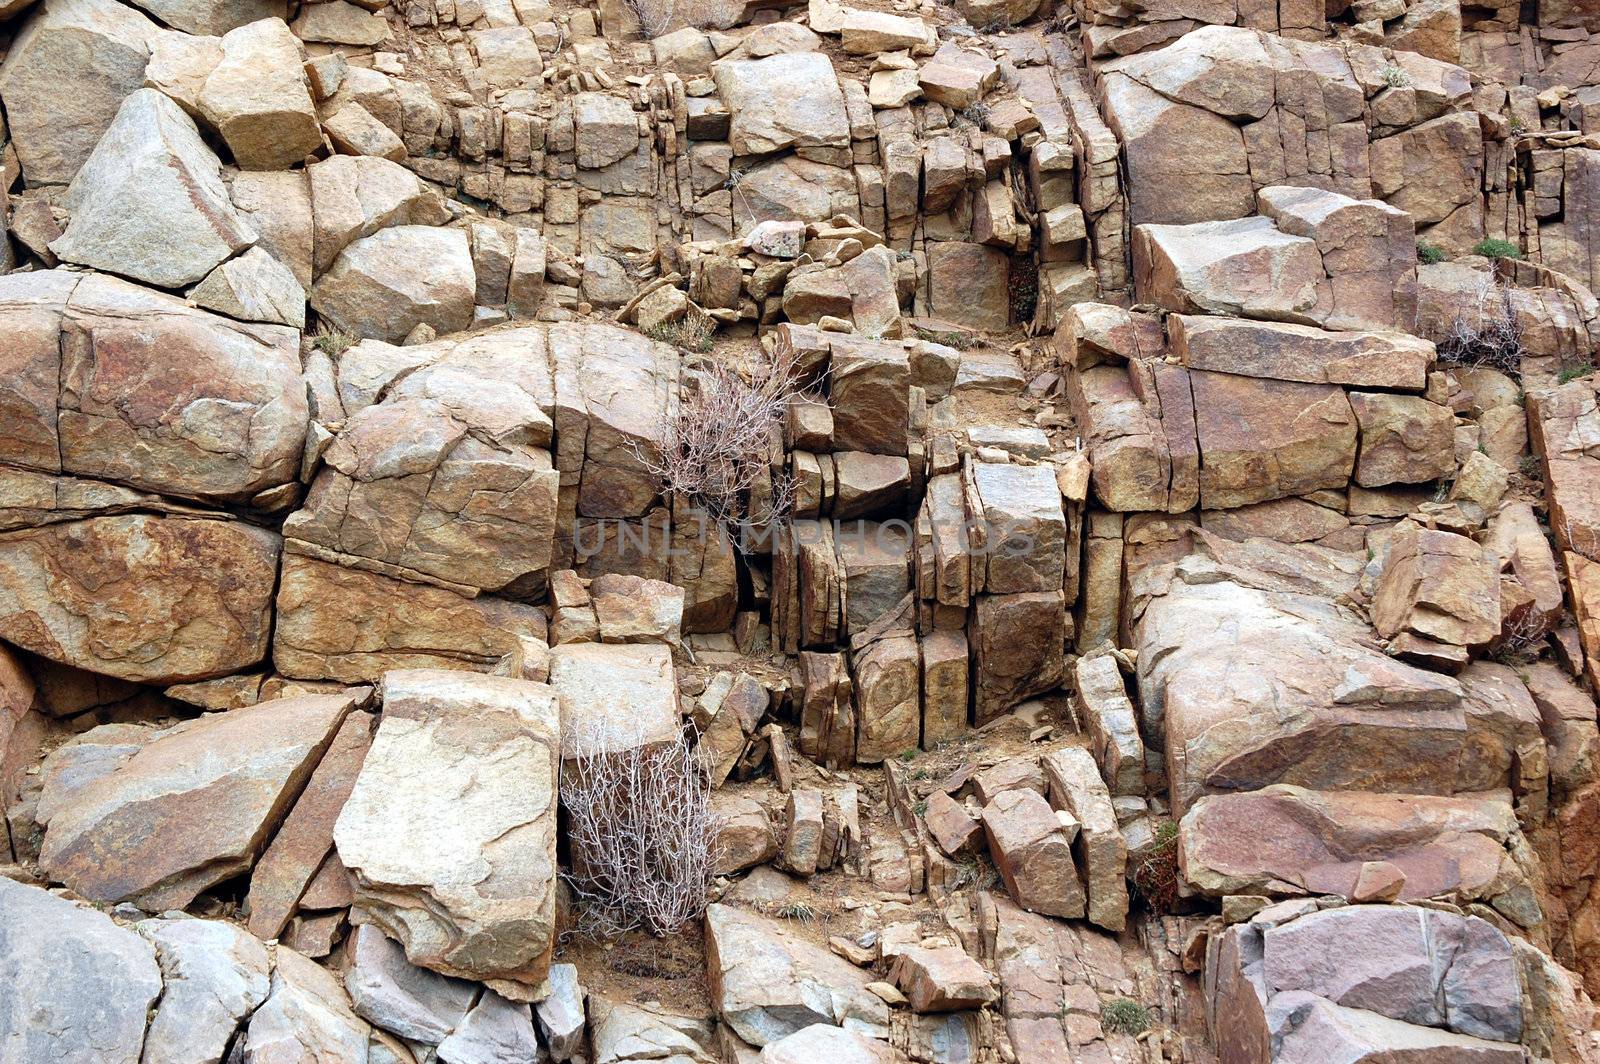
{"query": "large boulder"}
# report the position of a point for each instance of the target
(149, 203)
(1252, 683)
(121, 383)
(214, 17)
(783, 101)
(1438, 586)
(1266, 439)
(102, 981)
(1246, 268)
(384, 285)
(306, 1017)
(339, 623)
(614, 696)
(1284, 840)
(257, 97)
(64, 77)
(353, 196)
(450, 832)
(192, 806)
(767, 982)
(1289, 352)
(156, 600)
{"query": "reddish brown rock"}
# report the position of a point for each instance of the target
(889, 707)
(1267, 439)
(1301, 353)
(1438, 586)
(1034, 854)
(304, 843)
(192, 806)
(1405, 439)
(156, 600)
(941, 979)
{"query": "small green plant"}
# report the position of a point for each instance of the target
(908, 755)
(1430, 254)
(1529, 466)
(1572, 373)
(1491, 248)
(976, 112)
(330, 341)
(798, 911)
(1396, 78)
(1517, 125)
(692, 332)
(1124, 1016)
(921, 808)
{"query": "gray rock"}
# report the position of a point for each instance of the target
(384, 285)
(305, 1017)
(253, 287)
(63, 79)
(625, 1032)
(216, 975)
(783, 101)
(214, 17)
(150, 203)
(560, 1014)
(395, 994)
(496, 1031)
(77, 985)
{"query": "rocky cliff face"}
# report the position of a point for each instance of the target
(1104, 498)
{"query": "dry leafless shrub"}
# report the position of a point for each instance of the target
(717, 451)
(1522, 638)
(1484, 331)
(654, 16)
(642, 832)
(692, 332)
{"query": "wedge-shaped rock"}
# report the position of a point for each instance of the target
(155, 600)
(783, 101)
(258, 100)
(103, 980)
(450, 833)
(623, 1033)
(1075, 785)
(254, 287)
(1284, 840)
(1438, 586)
(306, 1017)
(1301, 352)
(114, 381)
(150, 203)
(216, 975)
(941, 979)
(1309, 1028)
(64, 77)
(1245, 268)
(339, 623)
(353, 196)
(1253, 686)
(192, 807)
(384, 285)
(767, 983)
(1267, 439)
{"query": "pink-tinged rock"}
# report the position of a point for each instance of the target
(1267, 439)
(191, 807)
(1304, 353)
(1284, 841)
(1034, 854)
(1405, 439)
(941, 979)
(1245, 268)
(955, 830)
(1438, 586)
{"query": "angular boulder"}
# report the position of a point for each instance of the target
(1438, 586)
(156, 600)
(1267, 439)
(149, 203)
(1033, 851)
(192, 807)
(216, 975)
(1245, 268)
(384, 285)
(1304, 353)
(450, 834)
(103, 980)
(791, 100)
(258, 99)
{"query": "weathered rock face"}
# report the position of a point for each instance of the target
(1254, 683)
(192, 806)
(1033, 851)
(64, 77)
(1285, 840)
(121, 383)
(1301, 353)
(306, 1016)
(104, 980)
(450, 830)
(1265, 439)
(256, 97)
(1438, 586)
(151, 599)
(1365, 978)
(614, 697)
(149, 203)
(767, 984)
(336, 623)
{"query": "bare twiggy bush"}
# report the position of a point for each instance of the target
(1484, 331)
(717, 454)
(654, 16)
(1522, 638)
(642, 832)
